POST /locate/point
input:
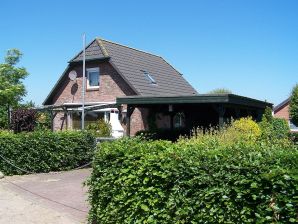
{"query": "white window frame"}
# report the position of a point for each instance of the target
(93, 70)
(292, 129)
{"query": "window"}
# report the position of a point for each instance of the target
(149, 77)
(90, 118)
(92, 78)
(179, 120)
(293, 127)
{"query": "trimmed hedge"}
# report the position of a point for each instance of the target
(163, 134)
(45, 151)
(135, 181)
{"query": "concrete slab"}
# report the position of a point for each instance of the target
(57, 195)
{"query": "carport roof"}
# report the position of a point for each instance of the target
(193, 99)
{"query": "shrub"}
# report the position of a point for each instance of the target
(162, 182)
(244, 130)
(45, 151)
(294, 105)
(163, 134)
(100, 129)
(274, 129)
(23, 120)
(294, 137)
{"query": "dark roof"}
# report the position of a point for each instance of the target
(194, 99)
(133, 65)
(281, 105)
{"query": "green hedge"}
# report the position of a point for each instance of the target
(136, 181)
(45, 151)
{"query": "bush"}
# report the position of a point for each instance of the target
(163, 134)
(100, 129)
(242, 131)
(294, 105)
(281, 128)
(294, 137)
(136, 181)
(45, 151)
(23, 120)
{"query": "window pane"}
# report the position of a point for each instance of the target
(93, 79)
(292, 126)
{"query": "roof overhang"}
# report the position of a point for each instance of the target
(194, 99)
(90, 60)
(281, 105)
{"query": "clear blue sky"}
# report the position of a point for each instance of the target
(249, 47)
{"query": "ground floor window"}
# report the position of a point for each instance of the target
(90, 118)
(293, 127)
(179, 120)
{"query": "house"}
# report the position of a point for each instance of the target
(282, 111)
(135, 90)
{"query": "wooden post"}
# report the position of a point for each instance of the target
(221, 112)
(130, 110)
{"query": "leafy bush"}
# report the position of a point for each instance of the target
(135, 181)
(294, 137)
(43, 121)
(100, 129)
(163, 134)
(242, 131)
(294, 105)
(45, 151)
(273, 129)
(23, 120)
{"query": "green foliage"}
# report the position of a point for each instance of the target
(242, 131)
(220, 91)
(294, 137)
(163, 134)
(100, 128)
(267, 116)
(294, 105)
(12, 88)
(45, 151)
(4, 116)
(135, 181)
(43, 121)
(273, 129)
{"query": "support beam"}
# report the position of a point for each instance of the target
(53, 115)
(221, 112)
(130, 110)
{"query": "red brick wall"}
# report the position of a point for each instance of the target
(283, 112)
(111, 86)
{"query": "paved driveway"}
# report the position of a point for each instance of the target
(44, 198)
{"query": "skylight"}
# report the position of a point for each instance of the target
(149, 77)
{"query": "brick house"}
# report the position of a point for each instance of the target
(134, 90)
(112, 70)
(282, 111)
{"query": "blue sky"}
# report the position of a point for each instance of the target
(249, 47)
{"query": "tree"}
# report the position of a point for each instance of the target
(294, 105)
(12, 89)
(220, 91)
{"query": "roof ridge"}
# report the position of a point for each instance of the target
(98, 38)
(102, 47)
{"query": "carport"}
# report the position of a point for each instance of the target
(198, 110)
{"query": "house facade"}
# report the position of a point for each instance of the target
(282, 111)
(112, 70)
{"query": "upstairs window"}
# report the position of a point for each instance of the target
(92, 78)
(149, 78)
